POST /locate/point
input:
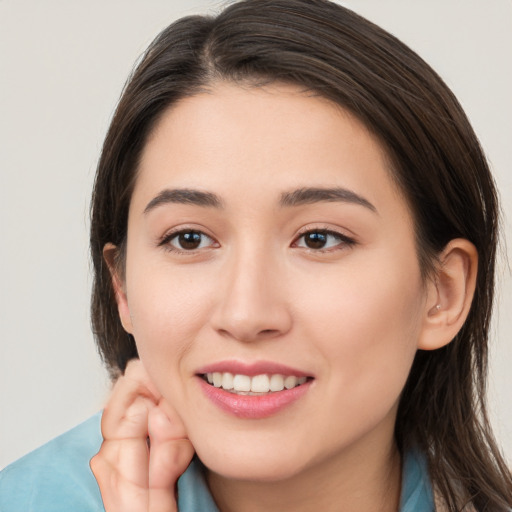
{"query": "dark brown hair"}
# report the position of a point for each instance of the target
(435, 158)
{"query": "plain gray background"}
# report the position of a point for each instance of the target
(62, 67)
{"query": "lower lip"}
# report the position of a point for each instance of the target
(253, 406)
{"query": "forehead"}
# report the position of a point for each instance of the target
(261, 140)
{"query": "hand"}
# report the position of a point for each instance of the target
(144, 449)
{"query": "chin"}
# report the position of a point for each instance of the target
(262, 464)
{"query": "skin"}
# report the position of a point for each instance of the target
(351, 314)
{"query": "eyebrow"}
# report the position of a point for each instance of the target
(185, 196)
(301, 196)
(312, 195)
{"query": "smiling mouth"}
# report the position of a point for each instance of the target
(263, 384)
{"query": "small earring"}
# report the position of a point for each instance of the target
(438, 307)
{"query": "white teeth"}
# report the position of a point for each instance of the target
(217, 379)
(241, 383)
(290, 382)
(276, 383)
(258, 384)
(227, 380)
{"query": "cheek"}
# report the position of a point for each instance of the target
(366, 324)
(168, 310)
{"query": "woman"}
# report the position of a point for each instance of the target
(294, 228)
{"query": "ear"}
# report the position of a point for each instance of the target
(449, 294)
(110, 253)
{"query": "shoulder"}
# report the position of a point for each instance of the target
(56, 477)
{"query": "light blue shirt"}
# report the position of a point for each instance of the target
(57, 478)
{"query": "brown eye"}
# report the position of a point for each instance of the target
(189, 240)
(315, 240)
(322, 240)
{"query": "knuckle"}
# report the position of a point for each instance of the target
(97, 465)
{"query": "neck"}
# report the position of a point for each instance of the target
(368, 479)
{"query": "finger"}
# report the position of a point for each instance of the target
(125, 415)
(121, 465)
(170, 452)
(169, 457)
(174, 427)
(121, 470)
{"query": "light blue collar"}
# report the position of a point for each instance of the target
(417, 495)
(194, 495)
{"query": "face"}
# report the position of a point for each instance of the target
(268, 248)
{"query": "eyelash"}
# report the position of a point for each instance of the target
(169, 237)
(343, 240)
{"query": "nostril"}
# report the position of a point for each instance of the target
(268, 333)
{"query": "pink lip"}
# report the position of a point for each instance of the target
(251, 369)
(253, 406)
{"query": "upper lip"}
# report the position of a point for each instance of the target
(251, 368)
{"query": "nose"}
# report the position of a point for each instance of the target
(252, 303)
